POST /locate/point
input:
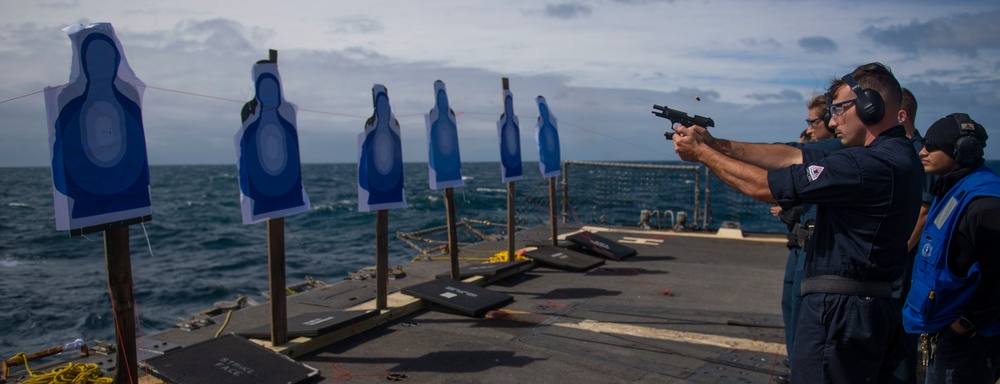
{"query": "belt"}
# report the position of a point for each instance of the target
(846, 286)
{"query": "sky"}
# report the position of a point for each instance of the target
(600, 64)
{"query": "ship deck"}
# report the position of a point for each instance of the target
(687, 308)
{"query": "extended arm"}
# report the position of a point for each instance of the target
(749, 179)
(766, 156)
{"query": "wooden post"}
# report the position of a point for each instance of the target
(565, 191)
(552, 211)
(510, 199)
(276, 266)
(449, 208)
(276, 280)
(382, 259)
(510, 220)
(116, 252)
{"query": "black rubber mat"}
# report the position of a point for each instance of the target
(486, 269)
(463, 297)
(312, 324)
(228, 359)
(594, 244)
(563, 258)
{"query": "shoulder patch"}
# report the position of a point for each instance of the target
(813, 172)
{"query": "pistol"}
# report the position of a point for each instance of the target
(679, 117)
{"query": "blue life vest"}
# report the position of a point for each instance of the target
(937, 296)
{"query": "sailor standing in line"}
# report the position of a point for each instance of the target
(954, 299)
(801, 218)
(850, 324)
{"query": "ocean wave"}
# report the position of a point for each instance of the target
(494, 190)
(223, 177)
(19, 205)
(324, 208)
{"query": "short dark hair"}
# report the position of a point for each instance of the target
(908, 104)
(879, 77)
(835, 84)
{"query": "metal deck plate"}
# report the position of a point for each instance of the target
(563, 258)
(485, 269)
(154, 346)
(463, 297)
(312, 324)
(601, 246)
(228, 359)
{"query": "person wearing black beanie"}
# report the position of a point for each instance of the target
(954, 299)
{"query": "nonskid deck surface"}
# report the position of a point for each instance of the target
(684, 309)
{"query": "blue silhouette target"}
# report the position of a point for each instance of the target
(510, 141)
(267, 151)
(444, 164)
(547, 137)
(380, 158)
(100, 171)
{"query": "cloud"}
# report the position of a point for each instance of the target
(965, 34)
(765, 43)
(19, 41)
(356, 25)
(567, 11)
(783, 96)
(215, 35)
(818, 44)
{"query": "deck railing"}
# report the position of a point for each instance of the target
(656, 196)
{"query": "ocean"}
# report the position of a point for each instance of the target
(54, 287)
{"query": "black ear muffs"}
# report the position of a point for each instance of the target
(870, 106)
(968, 148)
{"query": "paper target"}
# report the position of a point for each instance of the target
(510, 141)
(547, 137)
(100, 171)
(267, 150)
(444, 164)
(380, 158)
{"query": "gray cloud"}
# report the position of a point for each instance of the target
(818, 44)
(358, 24)
(783, 96)
(765, 43)
(965, 34)
(363, 54)
(567, 10)
(215, 35)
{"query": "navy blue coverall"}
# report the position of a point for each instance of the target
(866, 207)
